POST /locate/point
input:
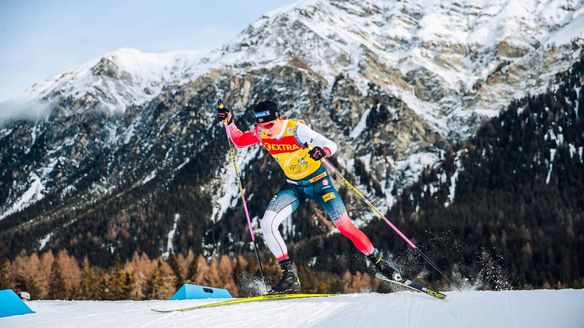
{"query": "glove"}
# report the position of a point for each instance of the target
(317, 153)
(223, 113)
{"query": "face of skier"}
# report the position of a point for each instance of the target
(271, 128)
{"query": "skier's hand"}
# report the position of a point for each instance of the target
(317, 153)
(223, 113)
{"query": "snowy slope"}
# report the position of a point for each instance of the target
(449, 49)
(539, 308)
(121, 78)
(442, 58)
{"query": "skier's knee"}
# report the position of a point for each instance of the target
(267, 220)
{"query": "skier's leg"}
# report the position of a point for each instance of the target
(281, 206)
(328, 197)
(349, 230)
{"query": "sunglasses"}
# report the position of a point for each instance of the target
(267, 125)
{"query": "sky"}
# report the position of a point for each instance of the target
(40, 38)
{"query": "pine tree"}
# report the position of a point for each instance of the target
(70, 273)
(173, 263)
(116, 281)
(128, 287)
(307, 279)
(28, 275)
(56, 283)
(89, 289)
(191, 276)
(155, 283)
(5, 276)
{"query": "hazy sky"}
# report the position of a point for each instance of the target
(39, 38)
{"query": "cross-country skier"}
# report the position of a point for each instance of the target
(298, 150)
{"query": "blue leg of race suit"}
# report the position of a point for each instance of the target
(285, 202)
(327, 196)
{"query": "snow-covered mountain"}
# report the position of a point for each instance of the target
(536, 308)
(119, 79)
(393, 82)
(444, 59)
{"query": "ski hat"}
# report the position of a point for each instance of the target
(266, 111)
(24, 296)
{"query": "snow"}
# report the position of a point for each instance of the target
(43, 242)
(572, 31)
(469, 309)
(33, 194)
(46, 170)
(577, 104)
(150, 176)
(112, 134)
(361, 125)
(230, 189)
(170, 237)
(453, 179)
(133, 77)
(129, 134)
(551, 165)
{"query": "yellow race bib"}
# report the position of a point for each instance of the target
(291, 156)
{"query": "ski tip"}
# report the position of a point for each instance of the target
(160, 311)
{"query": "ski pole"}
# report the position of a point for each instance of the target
(242, 193)
(389, 223)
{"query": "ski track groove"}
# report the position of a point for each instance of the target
(456, 319)
(410, 306)
(511, 307)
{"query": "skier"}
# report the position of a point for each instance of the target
(298, 150)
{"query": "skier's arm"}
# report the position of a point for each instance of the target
(242, 139)
(239, 139)
(308, 137)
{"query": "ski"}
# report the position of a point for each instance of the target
(412, 286)
(261, 298)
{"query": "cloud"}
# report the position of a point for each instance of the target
(21, 108)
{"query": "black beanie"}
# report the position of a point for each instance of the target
(266, 111)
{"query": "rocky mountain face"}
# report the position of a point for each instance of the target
(505, 206)
(129, 156)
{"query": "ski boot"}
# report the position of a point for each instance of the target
(384, 267)
(289, 282)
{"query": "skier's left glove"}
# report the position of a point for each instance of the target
(317, 153)
(223, 113)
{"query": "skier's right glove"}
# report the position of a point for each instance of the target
(223, 113)
(317, 153)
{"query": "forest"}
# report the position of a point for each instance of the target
(60, 276)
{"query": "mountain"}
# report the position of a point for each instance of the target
(129, 156)
(506, 203)
(119, 79)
